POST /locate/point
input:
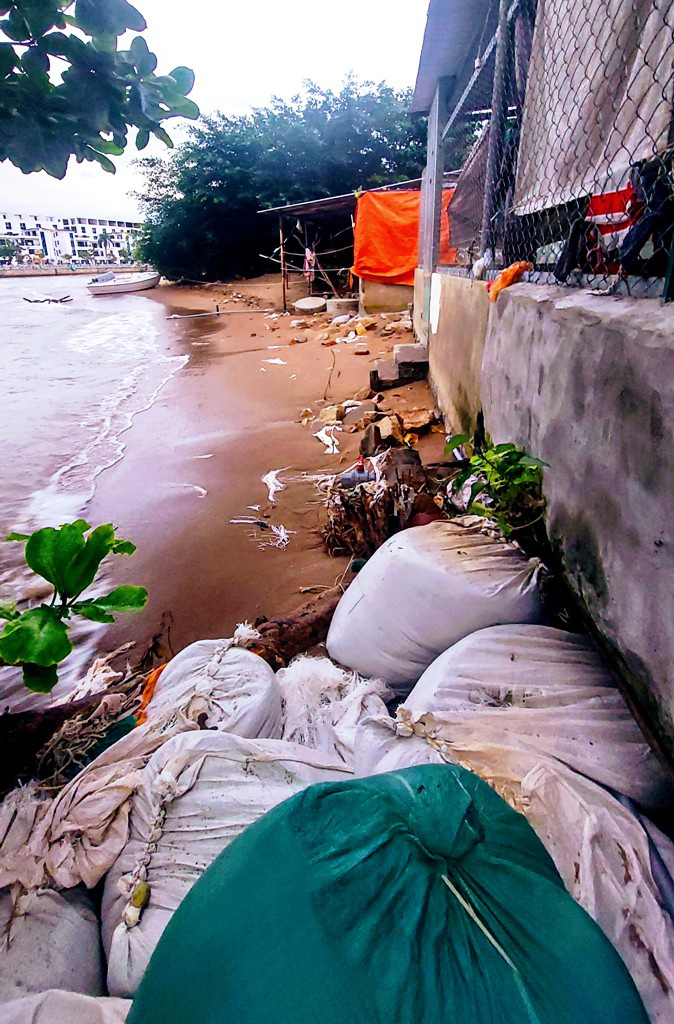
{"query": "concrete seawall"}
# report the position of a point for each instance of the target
(587, 384)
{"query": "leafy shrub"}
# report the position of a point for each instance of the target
(37, 639)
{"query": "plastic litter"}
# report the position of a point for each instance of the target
(272, 482)
(327, 437)
(198, 793)
(411, 896)
(423, 590)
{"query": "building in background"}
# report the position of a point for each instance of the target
(62, 239)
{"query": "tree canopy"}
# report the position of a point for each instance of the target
(66, 90)
(201, 203)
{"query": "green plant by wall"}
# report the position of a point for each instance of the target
(37, 639)
(508, 482)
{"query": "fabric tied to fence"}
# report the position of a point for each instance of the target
(598, 98)
(386, 236)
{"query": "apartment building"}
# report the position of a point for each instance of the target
(60, 239)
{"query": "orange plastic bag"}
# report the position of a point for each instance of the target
(511, 275)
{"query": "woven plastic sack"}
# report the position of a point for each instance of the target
(423, 590)
(323, 705)
(220, 686)
(49, 940)
(536, 689)
(56, 1007)
(198, 792)
(411, 896)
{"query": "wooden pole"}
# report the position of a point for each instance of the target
(283, 263)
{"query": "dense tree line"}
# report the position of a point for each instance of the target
(201, 204)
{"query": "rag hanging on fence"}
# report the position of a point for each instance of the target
(386, 236)
(413, 896)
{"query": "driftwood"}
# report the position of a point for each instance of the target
(285, 637)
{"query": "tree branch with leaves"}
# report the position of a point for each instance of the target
(67, 90)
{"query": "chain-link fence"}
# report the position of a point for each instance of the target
(565, 136)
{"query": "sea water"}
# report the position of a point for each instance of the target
(73, 376)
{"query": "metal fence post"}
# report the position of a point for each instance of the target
(496, 130)
(431, 188)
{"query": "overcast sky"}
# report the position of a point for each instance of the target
(241, 54)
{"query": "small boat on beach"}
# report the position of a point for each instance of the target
(115, 284)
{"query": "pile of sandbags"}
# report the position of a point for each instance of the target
(415, 895)
(425, 589)
(78, 834)
(198, 792)
(535, 712)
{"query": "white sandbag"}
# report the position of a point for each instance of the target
(56, 1007)
(377, 748)
(224, 686)
(199, 791)
(49, 940)
(423, 590)
(601, 851)
(541, 690)
(323, 704)
(76, 835)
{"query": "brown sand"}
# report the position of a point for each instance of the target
(208, 573)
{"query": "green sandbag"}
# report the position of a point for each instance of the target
(416, 897)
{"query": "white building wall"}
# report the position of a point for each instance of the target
(59, 239)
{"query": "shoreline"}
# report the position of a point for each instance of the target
(196, 458)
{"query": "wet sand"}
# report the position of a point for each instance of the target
(207, 573)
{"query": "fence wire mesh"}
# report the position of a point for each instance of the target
(564, 136)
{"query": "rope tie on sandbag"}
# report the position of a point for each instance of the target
(135, 885)
(473, 915)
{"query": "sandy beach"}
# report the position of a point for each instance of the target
(196, 458)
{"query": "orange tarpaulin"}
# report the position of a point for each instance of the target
(386, 236)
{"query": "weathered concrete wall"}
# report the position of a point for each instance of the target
(458, 312)
(587, 383)
(384, 298)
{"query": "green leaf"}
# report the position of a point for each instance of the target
(184, 79)
(8, 59)
(83, 566)
(49, 552)
(40, 678)
(105, 163)
(509, 447)
(38, 636)
(164, 136)
(142, 138)
(21, 537)
(456, 441)
(529, 460)
(8, 610)
(144, 60)
(123, 547)
(121, 599)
